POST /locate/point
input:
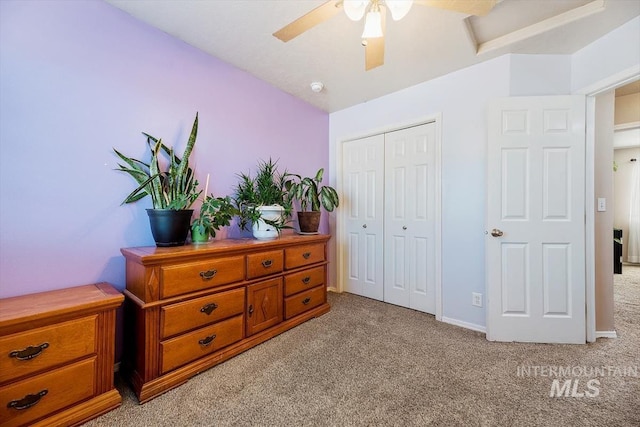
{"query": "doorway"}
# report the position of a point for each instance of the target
(603, 303)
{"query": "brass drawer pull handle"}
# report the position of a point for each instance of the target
(250, 310)
(28, 401)
(306, 255)
(306, 301)
(306, 280)
(207, 341)
(208, 275)
(267, 263)
(207, 309)
(29, 352)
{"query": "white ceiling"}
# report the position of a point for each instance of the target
(427, 43)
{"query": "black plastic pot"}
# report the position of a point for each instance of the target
(170, 227)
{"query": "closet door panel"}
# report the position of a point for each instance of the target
(409, 227)
(363, 184)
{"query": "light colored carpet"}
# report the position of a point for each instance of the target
(367, 363)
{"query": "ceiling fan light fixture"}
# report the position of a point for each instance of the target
(354, 9)
(372, 26)
(398, 8)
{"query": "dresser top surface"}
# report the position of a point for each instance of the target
(26, 308)
(152, 254)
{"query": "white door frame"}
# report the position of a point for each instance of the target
(340, 230)
(591, 91)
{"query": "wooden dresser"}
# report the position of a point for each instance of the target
(57, 356)
(191, 307)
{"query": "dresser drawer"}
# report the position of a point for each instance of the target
(28, 352)
(184, 278)
(187, 315)
(26, 401)
(180, 350)
(303, 301)
(304, 280)
(264, 264)
(299, 256)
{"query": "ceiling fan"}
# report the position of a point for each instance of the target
(375, 11)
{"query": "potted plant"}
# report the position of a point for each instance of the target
(311, 196)
(172, 190)
(215, 212)
(262, 201)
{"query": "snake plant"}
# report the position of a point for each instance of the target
(174, 188)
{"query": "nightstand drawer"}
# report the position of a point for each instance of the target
(26, 401)
(303, 301)
(299, 256)
(38, 349)
(264, 264)
(184, 278)
(195, 313)
(180, 350)
(304, 280)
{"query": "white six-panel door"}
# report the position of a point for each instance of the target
(535, 220)
(409, 227)
(362, 205)
(388, 209)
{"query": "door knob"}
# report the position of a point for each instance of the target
(496, 233)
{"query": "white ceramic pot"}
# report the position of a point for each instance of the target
(262, 230)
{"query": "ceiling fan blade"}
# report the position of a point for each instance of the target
(316, 16)
(374, 53)
(470, 7)
(374, 48)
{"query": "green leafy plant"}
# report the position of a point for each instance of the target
(265, 189)
(310, 193)
(174, 188)
(215, 212)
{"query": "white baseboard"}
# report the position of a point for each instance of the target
(606, 334)
(466, 325)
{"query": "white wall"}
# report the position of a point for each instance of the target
(616, 53)
(461, 97)
(540, 75)
(603, 226)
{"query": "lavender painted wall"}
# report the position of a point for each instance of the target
(80, 77)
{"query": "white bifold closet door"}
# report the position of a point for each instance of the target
(389, 215)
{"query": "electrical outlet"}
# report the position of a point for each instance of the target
(476, 299)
